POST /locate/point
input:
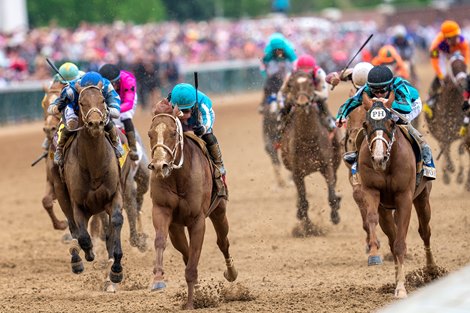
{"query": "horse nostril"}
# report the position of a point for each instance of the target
(53, 129)
(151, 166)
(90, 124)
(101, 123)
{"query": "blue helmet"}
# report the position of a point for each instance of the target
(184, 96)
(278, 43)
(90, 78)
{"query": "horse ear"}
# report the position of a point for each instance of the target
(45, 88)
(100, 85)
(78, 87)
(390, 100)
(177, 112)
(366, 101)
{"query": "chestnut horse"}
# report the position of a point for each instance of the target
(181, 188)
(51, 123)
(447, 113)
(306, 147)
(387, 169)
(91, 183)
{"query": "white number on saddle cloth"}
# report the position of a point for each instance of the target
(378, 114)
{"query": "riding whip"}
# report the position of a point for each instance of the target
(352, 59)
(196, 106)
(42, 156)
(55, 68)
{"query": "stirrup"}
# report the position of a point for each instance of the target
(58, 158)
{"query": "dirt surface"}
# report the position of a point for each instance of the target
(277, 272)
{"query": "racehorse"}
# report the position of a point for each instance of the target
(465, 145)
(387, 168)
(91, 183)
(51, 123)
(447, 112)
(270, 124)
(306, 147)
(181, 188)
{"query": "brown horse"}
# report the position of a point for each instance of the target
(306, 147)
(387, 168)
(181, 187)
(447, 113)
(91, 183)
(51, 123)
(465, 146)
(270, 124)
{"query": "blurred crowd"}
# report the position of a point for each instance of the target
(156, 52)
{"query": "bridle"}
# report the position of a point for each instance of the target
(179, 143)
(460, 75)
(380, 130)
(103, 116)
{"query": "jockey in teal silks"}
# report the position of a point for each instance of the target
(68, 104)
(200, 120)
(277, 63)
(380, 83)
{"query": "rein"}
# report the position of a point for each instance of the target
(179, 143)
(103, 116)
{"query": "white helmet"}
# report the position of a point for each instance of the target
(360, 72)
(399, 31)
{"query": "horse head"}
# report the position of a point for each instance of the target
(380, 130)
(93, 109)
(302, 88)
(458, 71)
(166, 140)
(51, 121)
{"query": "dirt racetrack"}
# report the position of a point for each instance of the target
(277, 272)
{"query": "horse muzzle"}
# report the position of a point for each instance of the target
(379, 163)
(96, 128)
(161, 169)
(302, 100)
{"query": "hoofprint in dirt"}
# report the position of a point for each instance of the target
(277, 272)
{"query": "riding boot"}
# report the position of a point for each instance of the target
(132, 145)
(114, 137)
(426, 152)
(428, 105)
(328, 121)
(59, 152)
(45, 144)
(216, 155)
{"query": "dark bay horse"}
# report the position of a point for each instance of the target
(306, 147)
(91, 183)
(270, 125)
(181, 187)
(51, 123)
(387, 168)
(447, 112)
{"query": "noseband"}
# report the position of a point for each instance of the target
(179, 143)
(103, 116)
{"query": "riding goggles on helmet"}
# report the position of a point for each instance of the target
(379, 90)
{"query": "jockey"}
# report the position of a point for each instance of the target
(405, 47)
(307, 64)
(68, 72)
(68, 104)
(278, 59)
(446, 43)
(380, 83)
(201, 121)
(390, 57)
(357, 75)
(125, 85)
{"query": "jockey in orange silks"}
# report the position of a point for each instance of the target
(390, 57)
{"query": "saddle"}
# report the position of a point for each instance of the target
(414, 144)
(202, 144)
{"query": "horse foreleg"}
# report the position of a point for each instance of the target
(161, 218)
(403, 202)
(387, 223)
(302, 203)
(333, 200)
(137, 239)
(84, 238)
(48, 203)
(179, 241)
(370, 205)
(358, 197)
(220, 222)
(196, 238)
(423, 210)
(113, 244)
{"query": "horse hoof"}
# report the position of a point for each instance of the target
(77, 267)
(158, 286)
(115, 277)
(66, 238)
(400, 293)
(374, 260)
(109, 287)
(335, 219)
(61, 225)
(231, 274)
(90, 256)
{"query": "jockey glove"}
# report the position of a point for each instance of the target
(199, 130)
(465, 105)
